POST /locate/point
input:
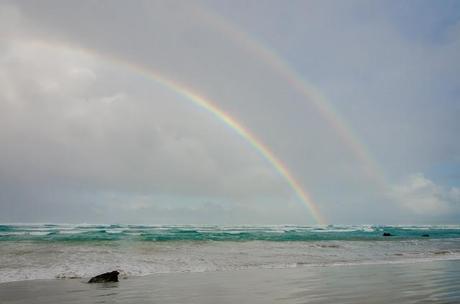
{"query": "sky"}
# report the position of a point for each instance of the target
(358, 102)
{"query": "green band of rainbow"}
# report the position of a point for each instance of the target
(257, 144)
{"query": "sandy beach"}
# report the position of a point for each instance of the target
(422, 282)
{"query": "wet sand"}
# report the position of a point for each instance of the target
(422, 282)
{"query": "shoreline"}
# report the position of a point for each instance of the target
(301, 266)
(432, 282)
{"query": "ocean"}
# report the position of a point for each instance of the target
(64, 251)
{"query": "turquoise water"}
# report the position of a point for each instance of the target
(88, 233)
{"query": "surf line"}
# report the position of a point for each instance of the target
(207, 105)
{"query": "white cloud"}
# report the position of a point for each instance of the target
(422, 196)
(113, 98)
(141, 141)
(73, 125)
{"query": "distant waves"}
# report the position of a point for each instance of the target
(87, 233)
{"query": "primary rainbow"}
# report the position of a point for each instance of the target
(208, 105)
(256, 143)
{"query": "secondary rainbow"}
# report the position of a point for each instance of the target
(312, 95)
(206, 104)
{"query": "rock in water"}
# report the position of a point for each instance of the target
(105, 277)
(387, 234)
(425, 235)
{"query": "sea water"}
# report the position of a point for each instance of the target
(50, 251)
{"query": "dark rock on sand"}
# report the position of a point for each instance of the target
(387, 234)
(425, 235)
(105, 277)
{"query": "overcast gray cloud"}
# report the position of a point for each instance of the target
(85, 137)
